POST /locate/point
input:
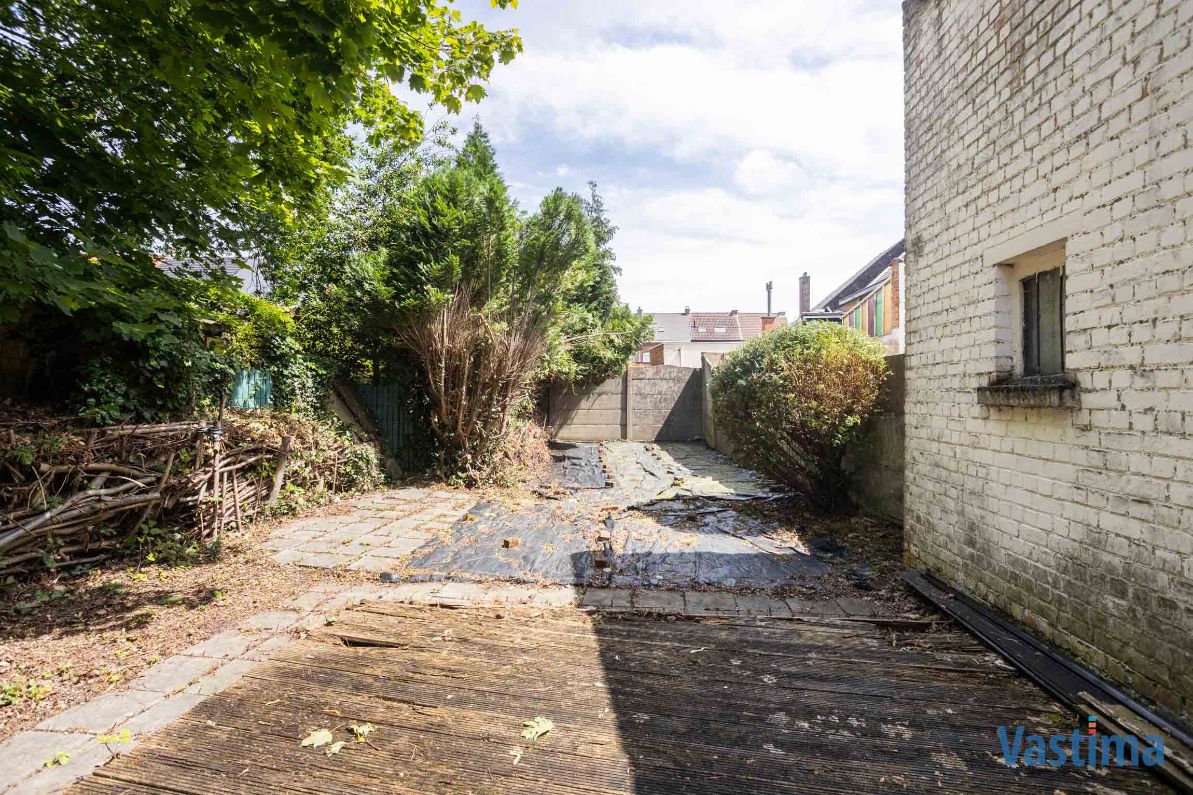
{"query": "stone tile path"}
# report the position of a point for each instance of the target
(374, 533)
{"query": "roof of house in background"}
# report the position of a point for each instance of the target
(242, 268)
(710, 326)
(860, 280)
(854, 297)
(751, 323)
(715, 327)
(671, 327)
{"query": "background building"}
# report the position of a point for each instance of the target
(680, 337)
(870, 300)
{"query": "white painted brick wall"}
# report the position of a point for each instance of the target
(1078, 521)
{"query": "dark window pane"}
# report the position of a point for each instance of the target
(1031, 340)
(1051, 313)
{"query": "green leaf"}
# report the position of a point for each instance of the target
(362, 730)
(122, 737)
(59, 759)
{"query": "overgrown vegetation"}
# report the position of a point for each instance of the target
(199, 129)
(793, 400)
(213, 132)
(489, 300)
(436, 262)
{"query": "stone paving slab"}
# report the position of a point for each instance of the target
(225, 645)
(272, 621)
(711, 602)
(100, 714)
(24, 756)
(379, 529)
(162, 713)
(225, 676)
(665, 601)
(174, 673)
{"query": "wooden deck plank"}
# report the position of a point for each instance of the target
(640, 705)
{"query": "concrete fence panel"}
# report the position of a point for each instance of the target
(660, 403)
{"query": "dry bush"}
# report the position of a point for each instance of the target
(526, 456)
(795, 398)
(479, 372)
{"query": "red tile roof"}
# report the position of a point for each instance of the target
(751, 323)
(715, 327)
(734, 326)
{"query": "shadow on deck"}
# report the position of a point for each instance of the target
(640, 704)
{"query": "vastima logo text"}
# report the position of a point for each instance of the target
(1082, 750)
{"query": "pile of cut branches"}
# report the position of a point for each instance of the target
(71, 495)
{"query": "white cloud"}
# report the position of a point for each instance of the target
(708, 248)
(736, 143)
(693, 105)
(760, 172)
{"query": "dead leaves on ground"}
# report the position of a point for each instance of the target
(537, 727)
(317, 738)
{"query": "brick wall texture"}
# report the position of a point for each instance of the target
(1022, 114)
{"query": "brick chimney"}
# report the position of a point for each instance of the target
(768, 322)
(805, 294)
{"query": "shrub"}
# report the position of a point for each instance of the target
(793, 399)
(478, 375)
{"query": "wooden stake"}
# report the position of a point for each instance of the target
(236, 502)
(279, 471)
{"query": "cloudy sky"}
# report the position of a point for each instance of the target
(735, 143)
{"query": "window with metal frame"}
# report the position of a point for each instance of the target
(1044, 322)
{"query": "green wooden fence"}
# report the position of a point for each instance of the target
(394, 405)
(252, 389)
(396, 411)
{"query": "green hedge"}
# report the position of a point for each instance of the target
(794, 399)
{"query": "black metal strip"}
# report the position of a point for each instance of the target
(1051, 670)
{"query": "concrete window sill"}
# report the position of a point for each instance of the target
(1041, 391)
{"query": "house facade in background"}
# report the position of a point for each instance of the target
(1049, 302)
(681, 337)
(870, 300)
(242, 268)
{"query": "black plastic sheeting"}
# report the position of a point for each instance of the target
(676, 542)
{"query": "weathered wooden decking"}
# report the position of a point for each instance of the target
(639, 704)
